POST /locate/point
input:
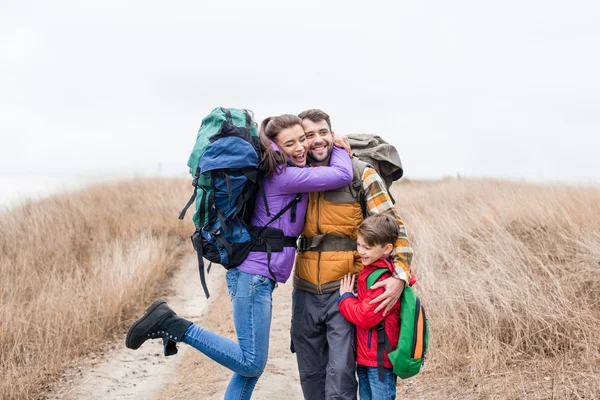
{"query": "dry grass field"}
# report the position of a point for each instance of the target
(75, 267)
(509, 274)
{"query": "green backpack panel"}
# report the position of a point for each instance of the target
(413, 340)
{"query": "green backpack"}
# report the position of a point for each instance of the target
(413, 341)
(372, 151)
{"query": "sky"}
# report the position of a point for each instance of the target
(473, 88)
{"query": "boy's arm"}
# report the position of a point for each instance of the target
(361, 313)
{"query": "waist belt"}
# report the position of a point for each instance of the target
(328, 242)
(277, 244)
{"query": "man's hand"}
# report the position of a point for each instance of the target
(347, 284)
(393, 290)
(343, 142)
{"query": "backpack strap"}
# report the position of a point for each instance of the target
(193, 198)
(375, 275)
(197, 243)
(327, 242)
(383, 343)
(292, 204)
(356, 187)
(261, 188)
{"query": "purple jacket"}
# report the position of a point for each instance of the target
(280, 189)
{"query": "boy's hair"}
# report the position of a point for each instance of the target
(379, 229)
(315, 115)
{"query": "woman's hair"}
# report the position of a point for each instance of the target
(269, 129)
(379, 229)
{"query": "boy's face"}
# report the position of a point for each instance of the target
(370, 254)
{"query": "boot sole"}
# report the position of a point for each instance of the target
(152, 307)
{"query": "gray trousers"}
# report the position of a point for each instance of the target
(325, 346)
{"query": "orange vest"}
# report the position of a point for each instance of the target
(331, 212)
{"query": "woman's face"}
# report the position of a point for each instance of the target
(293, 143)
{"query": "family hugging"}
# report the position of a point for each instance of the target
(310, 207)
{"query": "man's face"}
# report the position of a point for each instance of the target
(320, 139)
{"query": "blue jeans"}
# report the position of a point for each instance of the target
(370, 387)
(251, 297)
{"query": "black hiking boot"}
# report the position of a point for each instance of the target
(159, 321)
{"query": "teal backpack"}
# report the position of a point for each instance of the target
(224, 164)
(413, 341)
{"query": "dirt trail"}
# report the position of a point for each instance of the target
(141, 374)
(204, 379)
(146, 374)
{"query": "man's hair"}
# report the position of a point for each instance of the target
(315, 115)
(379, 229)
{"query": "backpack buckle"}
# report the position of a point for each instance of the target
(196, 240)
(302, 244)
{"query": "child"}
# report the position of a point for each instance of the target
(376, 237)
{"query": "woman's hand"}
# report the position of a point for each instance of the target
(347, 284)
(342, 142)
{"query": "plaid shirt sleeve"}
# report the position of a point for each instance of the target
(378, 202)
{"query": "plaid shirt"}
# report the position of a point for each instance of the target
(378, 202)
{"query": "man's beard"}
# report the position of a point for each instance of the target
(322, 158)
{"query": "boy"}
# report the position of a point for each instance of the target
(376, 237)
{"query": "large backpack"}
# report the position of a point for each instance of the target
(224, 164)
(372, 151)
(413, 340)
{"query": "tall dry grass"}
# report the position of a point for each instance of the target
(73, 268)
(510, 276)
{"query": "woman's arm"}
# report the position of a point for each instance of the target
(318, 179)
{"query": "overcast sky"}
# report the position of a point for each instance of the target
(479, 88)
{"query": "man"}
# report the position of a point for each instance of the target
(323, 339)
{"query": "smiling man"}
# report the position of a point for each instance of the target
(323, 339)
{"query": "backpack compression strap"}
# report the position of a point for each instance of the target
(292, 204)
(383, 343)
(191, 200)
(197, 243)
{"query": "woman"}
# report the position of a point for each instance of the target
(250, 285)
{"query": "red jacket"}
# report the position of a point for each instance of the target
(361, 313)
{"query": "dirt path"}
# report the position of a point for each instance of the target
(201, 378)
(126, 374)
(121, 373)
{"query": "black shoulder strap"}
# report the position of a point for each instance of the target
(291, 204)
(383, 343)
(261, 188)
(197, 243)
(191, 200)
(358, 169)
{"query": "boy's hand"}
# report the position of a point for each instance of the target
(393, 290)
(347, 284)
